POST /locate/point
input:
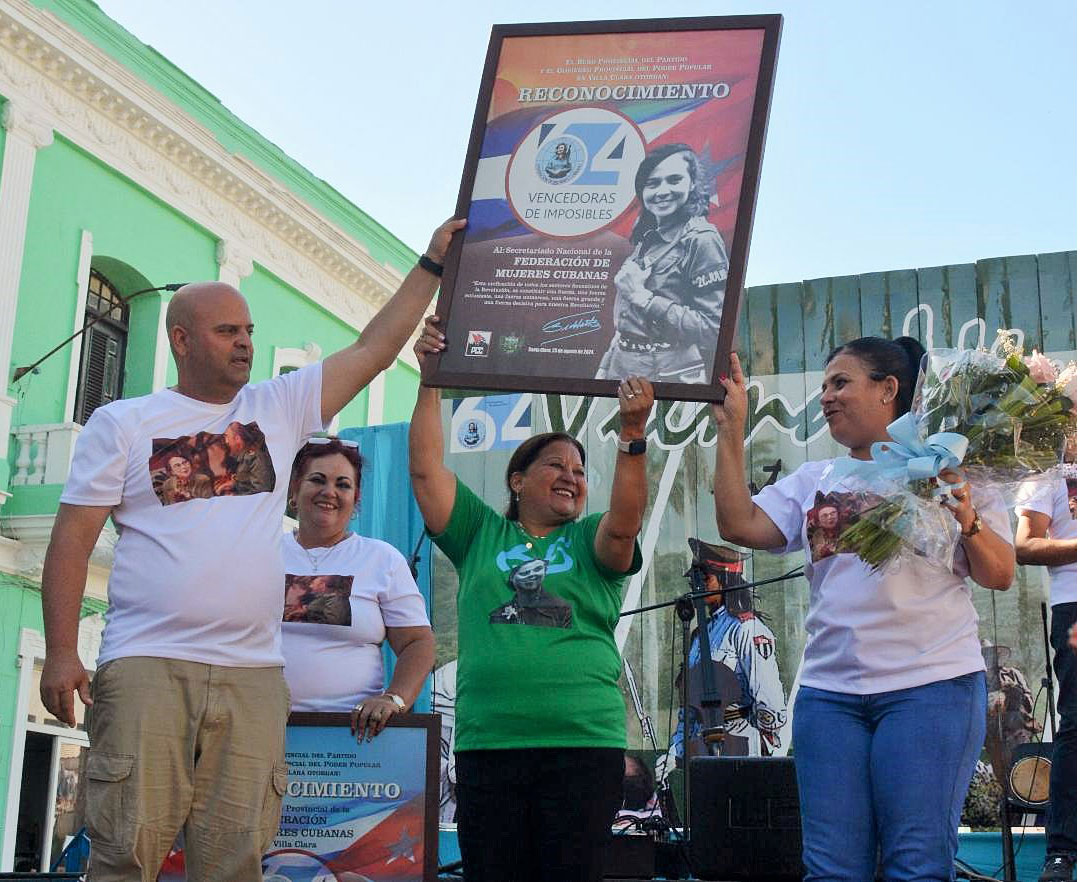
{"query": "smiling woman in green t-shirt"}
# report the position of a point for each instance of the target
(540, 720)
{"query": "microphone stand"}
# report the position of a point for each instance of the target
(712, 732)
(1048, 680)
(687, 606)
(684, 609)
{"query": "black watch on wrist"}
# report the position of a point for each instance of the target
(634, 448)
(429, 265)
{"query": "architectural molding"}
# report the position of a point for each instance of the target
(98, 104)
(285, 356)
(21, 120)
(82, 287)
(32, 533)
(234, 263)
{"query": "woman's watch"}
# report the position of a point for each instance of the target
(976, 525)
(399, 702)
(634, 448)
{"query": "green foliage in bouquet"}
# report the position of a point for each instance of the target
(1016, 424)
(875, 536)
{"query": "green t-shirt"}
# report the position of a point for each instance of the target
(537, 664)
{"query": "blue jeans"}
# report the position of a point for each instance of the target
(889, 770)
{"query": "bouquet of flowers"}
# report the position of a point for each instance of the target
(1015, 412)
(1003, 417)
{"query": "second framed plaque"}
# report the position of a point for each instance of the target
(609, 186)
(358, 810)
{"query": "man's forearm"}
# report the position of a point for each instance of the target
(63, 582)
(384, 336)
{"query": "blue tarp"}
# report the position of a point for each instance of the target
(389, 512)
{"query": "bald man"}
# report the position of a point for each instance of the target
(187, 724)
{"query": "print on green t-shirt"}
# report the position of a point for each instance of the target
(554, 681)
(531, 604)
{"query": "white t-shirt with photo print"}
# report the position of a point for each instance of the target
(1057, 500)
(332, 663)
(908, 624)
(196, 576)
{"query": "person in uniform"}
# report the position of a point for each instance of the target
(756, 722)
(669, 293)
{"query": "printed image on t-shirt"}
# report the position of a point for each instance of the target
(531, 604)
(318, 600)
(831, 515)
(1070, 488)
(235, 462)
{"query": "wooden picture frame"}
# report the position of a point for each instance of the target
(597, 246)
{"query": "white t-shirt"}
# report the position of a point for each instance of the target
(1057, 500)
(908, 624)
(197, 568)
(336, 616)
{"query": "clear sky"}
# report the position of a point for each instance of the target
(901, 134)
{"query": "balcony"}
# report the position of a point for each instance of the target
(43, 453)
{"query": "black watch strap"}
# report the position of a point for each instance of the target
(426, 263)
(634, 448)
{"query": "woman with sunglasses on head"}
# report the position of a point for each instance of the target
(540, 720)
(344, 595)
(891, 710)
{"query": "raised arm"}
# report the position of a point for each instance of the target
(1034, 546)
(618, 529)
(434, 485)
(738, 519)
(63, 581)
(347, 372)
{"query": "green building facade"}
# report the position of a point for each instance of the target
(119, 173)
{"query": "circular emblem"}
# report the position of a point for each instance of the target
(573, 174)
(560, 160)
(472, 433)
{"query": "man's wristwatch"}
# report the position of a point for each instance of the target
(428, 265)
(976, 525)
(635, 447)
(399, 702)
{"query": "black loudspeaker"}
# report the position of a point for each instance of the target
(744, 818)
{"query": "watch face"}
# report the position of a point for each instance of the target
(634, 447)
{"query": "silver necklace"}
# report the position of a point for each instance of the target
(313, 558)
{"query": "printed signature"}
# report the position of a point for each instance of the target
(572, 325)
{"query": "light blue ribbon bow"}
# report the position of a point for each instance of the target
(907, 456)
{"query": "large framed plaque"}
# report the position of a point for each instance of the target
(609, 187)
(366, 810)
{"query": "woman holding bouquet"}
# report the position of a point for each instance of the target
(890, 716)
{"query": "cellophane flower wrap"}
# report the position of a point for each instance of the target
(1016, 416)
(1015, 412)
(894, 517)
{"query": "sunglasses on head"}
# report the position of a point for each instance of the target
(323, 439)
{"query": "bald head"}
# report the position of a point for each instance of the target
(197, 298)
(209, 327)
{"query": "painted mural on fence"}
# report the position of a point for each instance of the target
(785, 429)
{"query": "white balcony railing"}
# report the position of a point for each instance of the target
(43, 453)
